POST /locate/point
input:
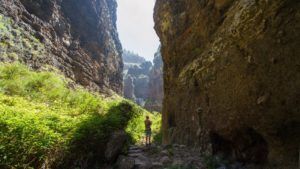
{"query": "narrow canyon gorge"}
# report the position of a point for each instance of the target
(226, 80)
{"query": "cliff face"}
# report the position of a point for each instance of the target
(79, 38)
(136, 79)
(155, 85)
(232, 77)
(143, 82)
(130, 58)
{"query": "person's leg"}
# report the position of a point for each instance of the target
(146, 139)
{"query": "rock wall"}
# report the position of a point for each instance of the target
(232, 77)
(136, 79)
(80, 38)
(143, 82)
(155, 85)
(131, 58)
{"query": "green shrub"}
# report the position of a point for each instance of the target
(29, 131)
(51, 88)
(136, 126)
(41, 119)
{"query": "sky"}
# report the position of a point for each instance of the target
(135, 26)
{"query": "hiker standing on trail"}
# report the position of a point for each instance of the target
(148, 124)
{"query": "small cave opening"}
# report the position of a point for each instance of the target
(244, 145)
(171, 121)
(220, 145)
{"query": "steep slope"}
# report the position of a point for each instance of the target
(46, 124)
(232, 81)
(80, 39)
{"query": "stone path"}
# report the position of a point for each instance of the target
(172, 157)
(158, 157)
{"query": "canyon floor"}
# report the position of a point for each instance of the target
(172, 157)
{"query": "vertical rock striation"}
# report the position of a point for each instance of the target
(143, 82)
(136, 70)
(80, 37)
(232, 77)
(155, 86)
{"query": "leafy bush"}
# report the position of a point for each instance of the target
(136, 126)
(47, 87)
(42, 121)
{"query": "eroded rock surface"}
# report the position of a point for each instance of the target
(232, 77)
(80, 38)
(143, 81)
(155, 85)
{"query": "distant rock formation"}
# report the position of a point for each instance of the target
(129, 88)
(130, 57)
(232, 77)
(136, 79)
(155, 85)
(143, 81)
(79, 37)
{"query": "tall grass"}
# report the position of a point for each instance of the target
(43, 122)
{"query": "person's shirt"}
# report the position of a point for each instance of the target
(148, 124)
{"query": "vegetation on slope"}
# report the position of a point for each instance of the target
(15, 42)
(136, 127)
(44, 122)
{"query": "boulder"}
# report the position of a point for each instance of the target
(165, 160)
(125, 163)
(115, 145)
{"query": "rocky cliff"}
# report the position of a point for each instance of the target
(232, 77)
(155, 85)
(79, 38)
(135, 77)
(130, 58)
(143, 82)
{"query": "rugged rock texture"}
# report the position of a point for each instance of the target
(130, 58)
(80, 38)
(132, 70)
(155, 85)
(143, 82)
(232, 77)
(129, 88)
(140, 79)
(115, 145)
(136, 77)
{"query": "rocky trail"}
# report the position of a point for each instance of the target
(160, 157)
(174, 157)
